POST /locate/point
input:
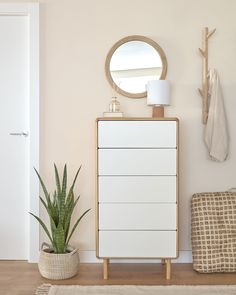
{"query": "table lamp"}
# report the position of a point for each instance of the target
(158, 96)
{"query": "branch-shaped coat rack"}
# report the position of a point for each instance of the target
(204, 92)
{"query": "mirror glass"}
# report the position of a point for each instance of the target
(132, 62)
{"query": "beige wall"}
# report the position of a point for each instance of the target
(75, 38)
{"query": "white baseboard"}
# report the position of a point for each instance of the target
(87, 256)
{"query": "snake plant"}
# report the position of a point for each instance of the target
(59, 208)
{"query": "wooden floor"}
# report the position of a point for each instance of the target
(22, 278)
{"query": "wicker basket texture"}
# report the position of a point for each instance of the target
(214, 232)
(58, 266)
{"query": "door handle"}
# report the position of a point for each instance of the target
(23, 133)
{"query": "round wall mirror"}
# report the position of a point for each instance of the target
(132, 62)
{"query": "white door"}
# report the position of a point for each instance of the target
(16, 127)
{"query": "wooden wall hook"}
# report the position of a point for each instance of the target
(204, 92)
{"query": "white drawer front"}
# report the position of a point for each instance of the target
(123, 189)
(137, 217)
(132, 244)
(137, 134)
(137, 161)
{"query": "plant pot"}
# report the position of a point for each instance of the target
(58, 266)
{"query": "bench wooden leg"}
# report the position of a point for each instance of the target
(105, 269)
(168, 269)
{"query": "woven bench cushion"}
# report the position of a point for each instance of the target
(214, 232)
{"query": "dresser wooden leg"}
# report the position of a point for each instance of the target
(105, 268)
(168, 269)
(163, 261)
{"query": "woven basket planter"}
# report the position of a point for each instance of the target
(58, 266)
(214, 232)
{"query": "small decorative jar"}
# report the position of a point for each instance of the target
(114, 105)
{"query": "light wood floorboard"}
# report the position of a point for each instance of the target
(22, 278)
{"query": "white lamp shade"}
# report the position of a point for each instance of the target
(158, 92)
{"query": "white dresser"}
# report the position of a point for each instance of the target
(137, 189)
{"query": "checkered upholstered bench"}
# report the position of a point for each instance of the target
(214, 232)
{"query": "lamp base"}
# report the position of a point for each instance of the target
(158, 112)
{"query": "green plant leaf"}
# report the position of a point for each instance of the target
(76, 224)
(51, 215)
(62, 197)
(64, 181)
(43, 226)
(46, 194)
(42, 183)
(59, 236)
(57, 178)
(68, 214)
(74, 181)
(59, 209)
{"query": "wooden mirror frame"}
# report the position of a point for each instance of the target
(117, 45)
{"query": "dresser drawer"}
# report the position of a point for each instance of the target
(137, 161)
(139, 189)
(137, 216)
(142, 244)
(133, 133)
